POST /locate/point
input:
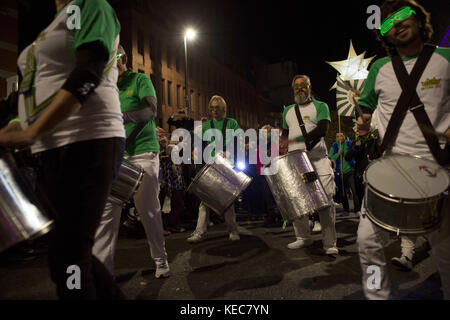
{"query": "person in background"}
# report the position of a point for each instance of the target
(316, 119)
(139, 108)
(338, 151)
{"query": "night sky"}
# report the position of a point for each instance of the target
(308, 32)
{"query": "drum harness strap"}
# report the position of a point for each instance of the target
(224, 128)
(306, 176)
(410, 100)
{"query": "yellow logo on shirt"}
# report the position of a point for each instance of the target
(431, 83)
(306, 117)
(129, 92)
(41, 36)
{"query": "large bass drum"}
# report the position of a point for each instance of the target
(404, 194)
(218, 184)
(295, 185)
(126, 184)
(21, 214)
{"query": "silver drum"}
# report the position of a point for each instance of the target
(126, 184)
(218, 184)
(405, 194)
(21, 216)
(295, 197)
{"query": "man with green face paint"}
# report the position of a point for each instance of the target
(138, 104)
(405, 29)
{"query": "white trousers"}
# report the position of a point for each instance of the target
(371, 242)
(327, 217)
(147, 205)
(203, 218)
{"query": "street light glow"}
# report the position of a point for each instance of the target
(190, 34)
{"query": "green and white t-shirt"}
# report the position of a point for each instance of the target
(52, 57)
(311, 113)
(382, 91)
(232, 124)
(133, 87)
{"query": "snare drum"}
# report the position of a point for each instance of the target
(404, 194)
(295, 185)
(126, 184)
(21, 215)
(218, 184)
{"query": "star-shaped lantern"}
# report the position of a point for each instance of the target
(350, 80)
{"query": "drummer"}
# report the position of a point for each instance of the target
(138, 103)
(316, 119)
(406, 37)
(70, 116)
(218, 109)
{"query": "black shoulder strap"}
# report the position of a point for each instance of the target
(418, 109)
(301, 123)
(224, 128)
(134, 133)
(409, 88)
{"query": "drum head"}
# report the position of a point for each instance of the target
(407, 177)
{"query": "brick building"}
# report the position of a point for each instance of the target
(156, 48)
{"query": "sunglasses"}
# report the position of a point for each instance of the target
(120, 55)
(400, 15)
(301, 85)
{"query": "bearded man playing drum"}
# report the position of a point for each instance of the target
(316, 119)
(404, 31)
(138, 104)
(218, 109)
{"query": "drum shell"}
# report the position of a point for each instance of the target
(126, 184)
(218, 184)
(403, 215)
(294, 197)
(21, 215)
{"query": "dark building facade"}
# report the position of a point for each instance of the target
(156, 49)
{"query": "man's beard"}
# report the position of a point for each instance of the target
(301, 98)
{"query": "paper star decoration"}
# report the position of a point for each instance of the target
(350, 81)
(354, 67)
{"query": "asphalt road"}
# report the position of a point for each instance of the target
(258, 267)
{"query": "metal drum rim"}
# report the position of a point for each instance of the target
(398, 230)
(285, 155)
(396, 197)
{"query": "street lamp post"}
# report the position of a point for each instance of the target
(189, 34)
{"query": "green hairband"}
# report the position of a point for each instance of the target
(399, 15)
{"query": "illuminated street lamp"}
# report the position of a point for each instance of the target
(188, 35)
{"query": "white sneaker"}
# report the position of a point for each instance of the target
(196, 237)
(317, 227)
(333, 251)
(300, 243)
(403, 262)
(234, 236)
(162, 269)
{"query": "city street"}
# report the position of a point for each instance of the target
(258, 267)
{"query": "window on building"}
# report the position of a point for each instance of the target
(163, 91)
(169, 93)
(158, 51)
(152, 44)
(140, 42)
(178, 96)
